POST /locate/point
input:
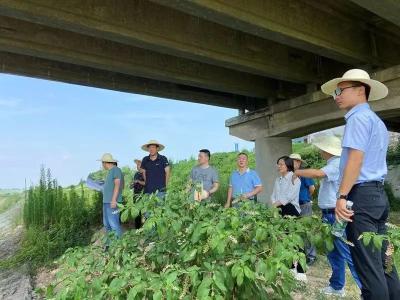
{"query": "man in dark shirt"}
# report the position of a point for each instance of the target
(155, 169)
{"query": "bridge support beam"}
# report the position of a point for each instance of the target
(268, 150)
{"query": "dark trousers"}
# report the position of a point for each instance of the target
(371, 210)
(138, 219)
(290, 210)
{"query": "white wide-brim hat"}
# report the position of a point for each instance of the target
(378, 89)
(153, 142)
(328, 143)
(107, 157)
(296, 156)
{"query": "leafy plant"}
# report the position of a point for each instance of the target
(190, 251)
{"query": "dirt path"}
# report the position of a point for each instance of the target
(15, 284)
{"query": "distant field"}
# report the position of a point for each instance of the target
(8, 199)
(9, 191)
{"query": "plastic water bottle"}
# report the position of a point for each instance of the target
(339, 227)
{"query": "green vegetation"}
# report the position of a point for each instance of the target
(393, 156)
(393, 200)
(9, 199)
(184, 251)
(191, 251)
(55, 220)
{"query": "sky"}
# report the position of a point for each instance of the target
(68, 127)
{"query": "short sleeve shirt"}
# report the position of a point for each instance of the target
(108, 191)
(244, 183)
(304, 195)
(365, 131)
(207, 176)
(155, 173)
(329, 184)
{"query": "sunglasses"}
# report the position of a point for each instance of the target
(338, 91)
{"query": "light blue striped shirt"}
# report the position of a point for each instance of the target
(366, 132)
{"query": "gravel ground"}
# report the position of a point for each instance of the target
(15, 284)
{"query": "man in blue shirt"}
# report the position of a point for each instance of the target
(244, 184)
(330, 150)
(307, 189)
(112, 194)
(362, 172)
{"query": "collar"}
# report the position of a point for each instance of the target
(289, 174)
(158, 156)
(247, 171)
(204, 168)
(355, 109)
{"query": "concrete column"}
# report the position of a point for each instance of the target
(268, 150)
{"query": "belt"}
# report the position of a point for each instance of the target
(328, 210)
(370, 184)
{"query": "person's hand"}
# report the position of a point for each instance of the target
(294, 177)
(205, 195)
(341, 212)
(113, 204)
(276, 204)
(246, 196)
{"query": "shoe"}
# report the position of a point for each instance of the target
(331, 291)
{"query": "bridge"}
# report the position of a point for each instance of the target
(266, 58)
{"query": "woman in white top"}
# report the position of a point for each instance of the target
(286, 193)
(286, 196)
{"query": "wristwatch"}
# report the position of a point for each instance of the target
(343, 197)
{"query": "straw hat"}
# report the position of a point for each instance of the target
(296, 156)
(378, 89)
(153, 142)
(328, 143)
(107, 157)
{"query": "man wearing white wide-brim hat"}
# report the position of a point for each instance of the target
(362, 172)
(330, 150)
(155, 168)
(112, 194)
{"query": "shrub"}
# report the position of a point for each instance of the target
(191, 251)
(55, 220)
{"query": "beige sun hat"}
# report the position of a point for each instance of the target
(296, 156)
(107, 157)
(153, 142)
(378, 89)
(328, 143)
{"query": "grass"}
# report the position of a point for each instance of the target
(9, 199)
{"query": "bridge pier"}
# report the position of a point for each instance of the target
(268, 150)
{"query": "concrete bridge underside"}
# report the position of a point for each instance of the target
(266, 58)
